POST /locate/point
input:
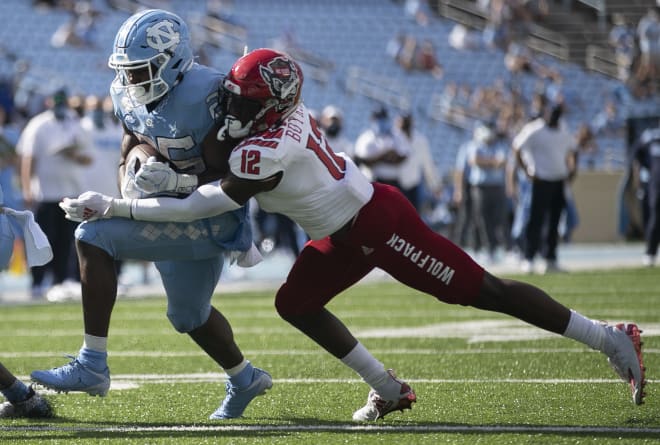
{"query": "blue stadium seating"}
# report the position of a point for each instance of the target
(347, 32)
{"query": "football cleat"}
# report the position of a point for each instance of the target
(378, 407)
(33, 407)
(625, 357)
(237, 399)
(74, 376)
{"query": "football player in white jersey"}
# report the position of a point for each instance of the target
(166, 100)
(284, 161)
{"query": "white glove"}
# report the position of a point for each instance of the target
(158, 177)
(128, 187)
(91, 206)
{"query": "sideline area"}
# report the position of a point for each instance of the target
(269, 274)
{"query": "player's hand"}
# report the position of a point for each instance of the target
(158, 177)
(128, 187)
(89, 206)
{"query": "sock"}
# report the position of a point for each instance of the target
(241, 375)
(372, 372)
(585, 330)
(99, 344)
(16, 392)
(95, 360)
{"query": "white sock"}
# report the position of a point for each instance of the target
(99, 344)
(585, 330)
(236, 369)
(372, 372)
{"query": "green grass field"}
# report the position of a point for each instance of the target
(480, 377)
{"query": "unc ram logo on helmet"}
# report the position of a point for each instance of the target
(164, 51)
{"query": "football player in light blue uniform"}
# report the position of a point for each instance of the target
(166, 100)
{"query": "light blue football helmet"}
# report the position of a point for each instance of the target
(151, 53)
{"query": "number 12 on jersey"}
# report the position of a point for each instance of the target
(250, 161)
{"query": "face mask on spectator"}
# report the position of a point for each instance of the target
(60, 110)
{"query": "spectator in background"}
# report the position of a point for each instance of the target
(103, 134)
(426, 59)
(407, 52)
(465, 233)
(418, 174)
(608, 122)
(382, 149)
(648, 36)
(547, 154)
(487, 161)
(53, 157)
(332, 124)
(452, 108)
(647, 154)
(80, 30)
(621, 39)
(463, 39)
(419, 11)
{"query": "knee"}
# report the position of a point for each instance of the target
(185, 320)
(492, 293)
(288, 305)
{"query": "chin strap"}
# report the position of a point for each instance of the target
(233, 129)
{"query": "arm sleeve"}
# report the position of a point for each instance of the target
(208, 200)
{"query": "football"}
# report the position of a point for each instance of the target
(143, 152)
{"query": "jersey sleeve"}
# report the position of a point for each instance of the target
(256, 159)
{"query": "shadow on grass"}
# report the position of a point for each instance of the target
(61, 428)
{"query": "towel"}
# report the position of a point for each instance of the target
(37, 248)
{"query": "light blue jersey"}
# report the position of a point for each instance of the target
(188, 256)
(180, 121)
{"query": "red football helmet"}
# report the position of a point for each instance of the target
(262, 89)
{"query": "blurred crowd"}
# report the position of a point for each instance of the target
(56, 144)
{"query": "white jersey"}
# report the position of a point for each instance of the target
(319, 189)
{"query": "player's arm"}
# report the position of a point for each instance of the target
(215, 154)
(128, 141)
(126, 182)
(157, 177)
(231, 193)
(208, 200)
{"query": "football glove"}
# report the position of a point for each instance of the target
(91, 206)
(128, 187)
(159, 177)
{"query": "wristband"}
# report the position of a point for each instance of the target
(121, 207)
(186, 183)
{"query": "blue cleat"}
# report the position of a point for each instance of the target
(34, 407)
(74, 376)
(237, 399)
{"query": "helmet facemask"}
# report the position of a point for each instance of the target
(239, 113)
(150, 55)
(130, 77)
(261, 90)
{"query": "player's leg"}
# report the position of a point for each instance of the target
(22, 401)
(323, 270)
(102, 242)
(89, 372)
(426, 261)
(190, 286)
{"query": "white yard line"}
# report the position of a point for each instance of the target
(525, 429)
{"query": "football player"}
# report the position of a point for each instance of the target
(22, 401)
(165, 99)
(284, 161)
